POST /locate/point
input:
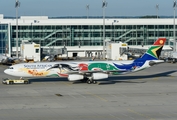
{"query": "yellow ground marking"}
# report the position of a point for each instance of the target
(140, 114)
(155, 78)
(67, 84)
(97, 97)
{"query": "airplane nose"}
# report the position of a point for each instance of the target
(6, 71)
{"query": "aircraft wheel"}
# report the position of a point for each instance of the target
(26, 82)
(174, 60)
(89, 81)
(94, 82)
(11, 82)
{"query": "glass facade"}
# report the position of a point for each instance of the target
(3, 38)
(81, 35)
(86, 35)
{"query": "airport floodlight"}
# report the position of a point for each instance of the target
(113, 25)
(174, 43)
(87, 7)
(174, 4)
(157, 8)
(17, 5)
(104, 5)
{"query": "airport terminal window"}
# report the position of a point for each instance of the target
(171, 33)
(47, 27)
(85, 34)
(166, 27)
(3, 27)
(128, 27)
(151, 33)
(108, 34)
(166, 33)
(13, 27)
(134, 26)
(22, 27)
(53, 27)
(76, 43)
(96, 27)
(170, 26)
(161, 26)
(118, 27)
(150, 26)
(85, 27)
(139, 26)
(123, 27)
(72, 27)
(86, 42)
(161, 33)
(108, 26)
(150, 41)
(58, 27)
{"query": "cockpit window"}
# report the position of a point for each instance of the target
(11, 68)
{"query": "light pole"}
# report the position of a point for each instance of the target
(115, 21)
(17, 5)
(104, 5)
(31, 31)
(87, 7)
(113, 29)
(174, 44)
(157, 8)
(107, 43)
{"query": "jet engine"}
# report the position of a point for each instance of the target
(75, 77)
(98, 76)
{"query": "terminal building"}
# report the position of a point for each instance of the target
(81, 33)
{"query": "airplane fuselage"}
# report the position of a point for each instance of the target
(61, 69)
(89, 70)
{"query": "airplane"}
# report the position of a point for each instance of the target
(89, 71)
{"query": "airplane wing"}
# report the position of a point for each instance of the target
(96, 71)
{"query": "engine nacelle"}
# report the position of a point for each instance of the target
(75, 77)
(98, 76)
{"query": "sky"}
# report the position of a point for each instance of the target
(60, 8)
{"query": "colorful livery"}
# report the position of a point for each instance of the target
(89, 71)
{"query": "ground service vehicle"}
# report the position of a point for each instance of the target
(16, 81)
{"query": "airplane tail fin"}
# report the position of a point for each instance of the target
(154, 51)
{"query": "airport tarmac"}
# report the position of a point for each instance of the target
(150, 94)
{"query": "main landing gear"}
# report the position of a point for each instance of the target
(91, 81)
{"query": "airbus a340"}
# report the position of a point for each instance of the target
(89, 71)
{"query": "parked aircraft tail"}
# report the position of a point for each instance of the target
(154, 51)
